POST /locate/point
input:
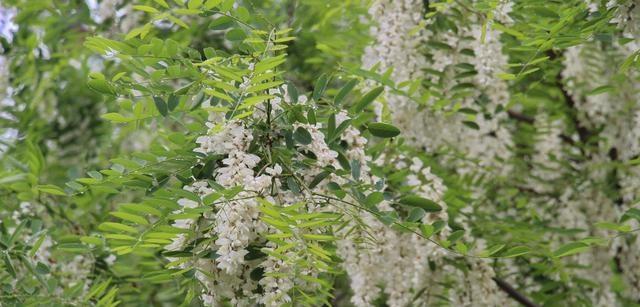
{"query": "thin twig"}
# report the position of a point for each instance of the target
(513, 293)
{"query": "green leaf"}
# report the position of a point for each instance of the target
(633, 58)
(427, 230)
(461, 247)
(367, 99)
(34, 249)
(613, 226)
(91, 240)
(211, 198)
(109, 226)
(235, 35)
(317, 237)
(130, 217)
(173, 102)
(141, 208)
(632, 213)
(12, 178)
(42, 268)
(355, 169)
(420, 202)
(320, 86)
(101, 86)
(51, 189)
(293, 92)
(145, 8)
(492, 250)
(194, 4)
(344, 91)
(570, 249)
(116, 118)
(506, 76)
(374, 198)
(210, 4)
(416, 214)
(510, 31)
(331, 125)
(161, 105)
(316, 180)
(116, 236)
(383, 130)
(9, 265)
(269, 63)
(163, 3)
(600, 90)
(221, 23)
(339, 130)
(178, 21)
(217, 94)
(293, 185)
(516, 251)
(186, 11)
(302, 136)
(471, 125)
(97, 290)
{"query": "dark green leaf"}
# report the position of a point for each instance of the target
(302, 136)
(161, 105)
(471, 125)
(320, 86)
(293, 185)
(415, 215)
(221, 23)
(41, 268)
(420, 202)
(355, 169)
(293, 92)
(374, 198)
(383, 130)
(173, 102)
(367, 99)
(9, 265)
(344, 91)
(318, 179)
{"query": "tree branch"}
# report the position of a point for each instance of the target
(513, 293)
(521, 117)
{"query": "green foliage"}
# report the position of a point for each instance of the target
(109, 125)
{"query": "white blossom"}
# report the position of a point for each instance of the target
(7, 26)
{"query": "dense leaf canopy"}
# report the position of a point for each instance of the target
(319, 153)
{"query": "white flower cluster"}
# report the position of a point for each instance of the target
(119, 11)
(7, 135)
(478, 287)
(626, 15)
(318, 147)
(546, 161)
(614, 115)
(580, 209)
(7, 26)
(237, 225)
(237, 222)
(586, 68)
(399, 42)
(398, 264)
(398, 48)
